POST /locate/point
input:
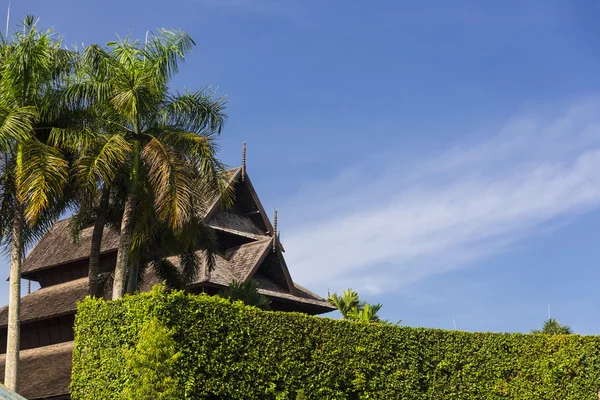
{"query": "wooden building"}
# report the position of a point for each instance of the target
(248, 249)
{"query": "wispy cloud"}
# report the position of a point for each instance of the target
(377, 233)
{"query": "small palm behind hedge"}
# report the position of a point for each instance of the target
(247, 293)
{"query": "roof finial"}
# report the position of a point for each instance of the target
(275, 237)
(244, 162)
(29, 286)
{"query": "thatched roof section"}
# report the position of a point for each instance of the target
(236, 224)
(57, 247)
(48, 302)
(245, 258)
(45, 372)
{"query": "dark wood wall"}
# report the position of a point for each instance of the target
(43, 333)
(74, 270)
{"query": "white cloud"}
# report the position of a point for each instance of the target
(377, 233)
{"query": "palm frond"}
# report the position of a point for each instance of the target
(190, 265)
(171, 180)
(41, 177)
(16, 124)
(366, 313)
(167, 272)
(209, 173)
(553, 327)
(345, 303)
(78, 221)
(247, 292)
(103, 161)
(201, 112)
(165, 51)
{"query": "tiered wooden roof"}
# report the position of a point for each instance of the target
(249, 249)
(245, 227)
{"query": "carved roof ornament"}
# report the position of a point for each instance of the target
(244, 162)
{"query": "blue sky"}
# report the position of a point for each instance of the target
(443, 158)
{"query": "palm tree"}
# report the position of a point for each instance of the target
(553, 327)
(346, 303)
(354, 309)
(32, 69)
(247, 292)
(367, 313)
(170, 136)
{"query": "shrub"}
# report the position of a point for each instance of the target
(231, 351)
(152, 365)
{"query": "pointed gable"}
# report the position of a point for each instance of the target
(273, 271)
(244, 259)
(246, 216)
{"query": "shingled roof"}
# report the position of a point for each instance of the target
(236, 224)
(48, 302)
(57, 247)
(44, 372)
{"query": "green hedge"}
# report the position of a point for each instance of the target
(230, 351)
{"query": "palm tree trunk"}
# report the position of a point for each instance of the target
(11, 373)
(132, 281)
(127, 225)
(124, 246)
(94, 264)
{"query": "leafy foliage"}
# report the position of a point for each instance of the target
(553, 327)
(352, 308)
(231, 351)
(246, 292)
(152, 365)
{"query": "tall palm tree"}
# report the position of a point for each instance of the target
(32, 69)
(170, 136)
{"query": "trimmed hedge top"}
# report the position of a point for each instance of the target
(231, 351)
